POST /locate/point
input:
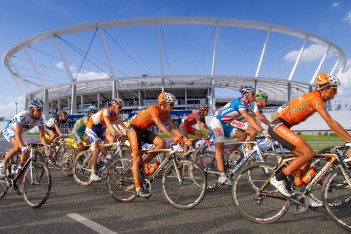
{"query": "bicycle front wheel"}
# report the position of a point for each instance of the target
(36, 184)
(184, 184)
(254, 197)
(81, 169)
(337, 198)
(120, 180)
(208, 162)
(67, 159)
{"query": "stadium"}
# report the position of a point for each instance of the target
(196, 59)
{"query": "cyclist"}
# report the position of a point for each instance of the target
(188, 121)
(295, 112)
(78, 129)
(138, 132)
(225, 124)
(16, 128)
(261, 99)
(101, 126)
(52, 126)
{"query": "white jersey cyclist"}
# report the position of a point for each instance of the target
(26, 120)
(227, 120)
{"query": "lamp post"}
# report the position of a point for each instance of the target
(16, 107)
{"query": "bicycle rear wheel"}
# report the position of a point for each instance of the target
(186, 188)
(36, 184)
(82, 168)
(254, 203)
(120, 180)
(337, 198)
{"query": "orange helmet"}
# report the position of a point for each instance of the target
(166, 98)
(324, 80)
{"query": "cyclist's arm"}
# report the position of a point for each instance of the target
(18, 136)
(109, 126)
(57, 129)
(122, 128)
(42, 136)
(173, 127)
(334, 125)
(262, 118)
(69, 129)
(251, 120)
(161, 126)
(202, 126)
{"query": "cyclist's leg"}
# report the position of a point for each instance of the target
(218, 132)
(298, 146)
(134, 135)
(93, 136)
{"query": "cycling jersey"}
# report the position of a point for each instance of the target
(50, 124)
(78, 130)
(225, 122)
(95, 127)
(292, 113)
(299, 109)
(231, 111)
(24, 119)
(144, 119)
(189, 120)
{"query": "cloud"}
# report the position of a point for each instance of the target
(9, 108)
(335, 4)
(348, 17)
(312, 53)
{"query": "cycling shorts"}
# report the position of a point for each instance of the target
(280, 131)
(138, 136)
(10, 133)
(96, 133)
(187, 129)
(220, 130)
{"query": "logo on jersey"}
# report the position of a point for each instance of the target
(316, 104)
(300, 108)
(218, 131)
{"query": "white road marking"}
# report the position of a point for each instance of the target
(95, 226)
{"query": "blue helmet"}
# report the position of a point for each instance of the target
(91, 108)
(246, 89)
(36, 103)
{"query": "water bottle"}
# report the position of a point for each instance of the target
(309, 175)
(297, 178)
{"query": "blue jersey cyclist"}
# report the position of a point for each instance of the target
(78, 129)
(16, 128)
(225, 123)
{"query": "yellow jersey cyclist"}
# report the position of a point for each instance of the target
(295, 112)
(101, 126)
(16, 128)
(78, 129)
(138, 133)
(52, 126)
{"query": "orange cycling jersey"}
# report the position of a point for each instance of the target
(299, 109)
(98, 118)
(144, 119)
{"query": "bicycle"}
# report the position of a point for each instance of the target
(208, 162)
(183, 181)
(35, 178)
(81, 168)
(260, 202)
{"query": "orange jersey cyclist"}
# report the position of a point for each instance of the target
(102, 122)
(295, 112)
(138, 134)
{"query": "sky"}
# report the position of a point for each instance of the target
(23, 19)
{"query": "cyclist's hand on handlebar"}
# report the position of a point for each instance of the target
(265, 133)
(177, 139)
(187, 141)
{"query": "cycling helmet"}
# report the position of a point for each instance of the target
(91, 108)
(203, 107)
(261, 95)
(36, 103)
(246, 89)
(117, 101)
(324, 80)
(166, 98)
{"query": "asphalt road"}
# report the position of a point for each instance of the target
(75, 209)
